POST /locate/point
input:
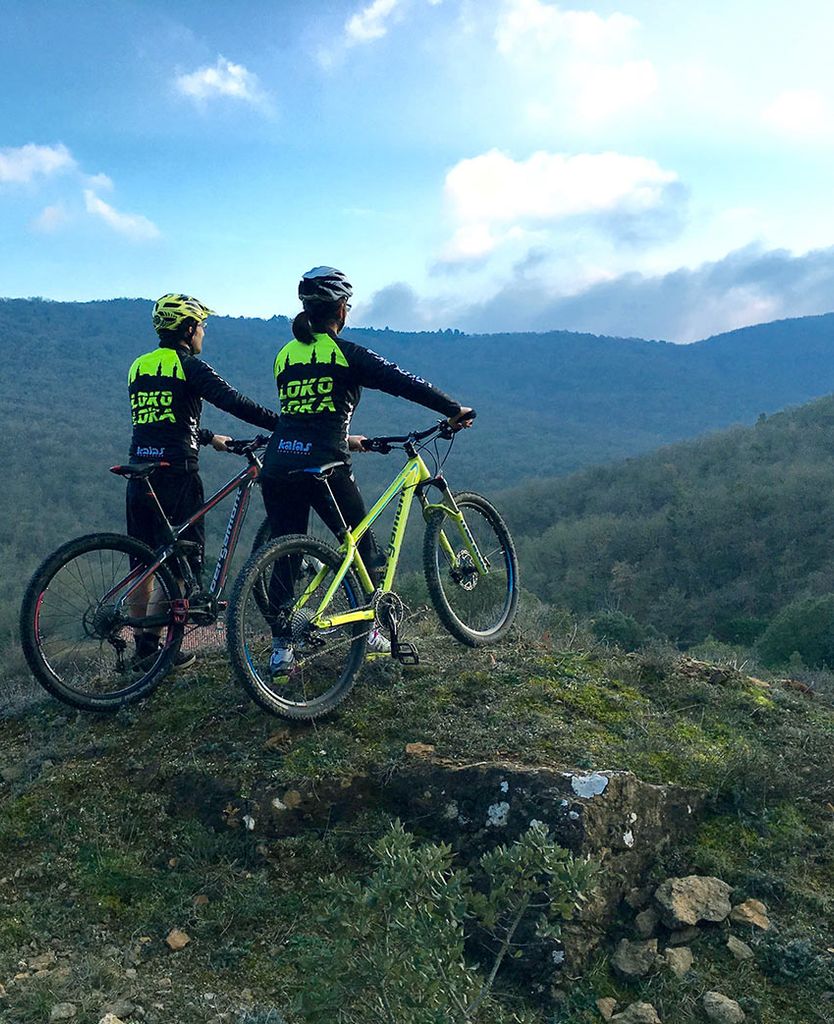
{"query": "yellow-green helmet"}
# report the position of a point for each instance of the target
(170, 311)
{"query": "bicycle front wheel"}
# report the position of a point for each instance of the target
(320, 663)
(78, 618)
(476, 608)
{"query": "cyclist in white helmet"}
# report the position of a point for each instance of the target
(320, 377)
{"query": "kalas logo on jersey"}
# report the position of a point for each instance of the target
(296, 447)
(150, 453)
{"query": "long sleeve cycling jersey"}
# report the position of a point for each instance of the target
(167, 388)
(319, 385)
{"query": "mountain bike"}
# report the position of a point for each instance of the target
(85, 601)
(324, 601)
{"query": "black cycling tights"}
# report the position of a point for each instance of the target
(288, 500)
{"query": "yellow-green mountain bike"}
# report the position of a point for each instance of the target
(324, 603)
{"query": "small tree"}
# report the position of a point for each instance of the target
(393, 950)
(806, 627)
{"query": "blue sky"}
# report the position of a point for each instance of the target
(650, 168)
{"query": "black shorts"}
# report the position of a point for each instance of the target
(180, 494)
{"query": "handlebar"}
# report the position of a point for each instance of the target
(383, 445)
(243, 447)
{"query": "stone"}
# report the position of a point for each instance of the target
(637, 1013)
(120, 1008)
(752, 913)
(679, 960)
(722, 1009)
(686, 901)
(200, 900)
(638, 897)
(110, 1018)
(63, 1011)
(2, 992)
(646, 922)
(176, 939)
(739, 949)
(683, 936)
(606, 1007)
(635, 959)
(419, 749)
(42, 962)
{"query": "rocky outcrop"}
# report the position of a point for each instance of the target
(612, 817)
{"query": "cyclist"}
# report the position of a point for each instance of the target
(166, 388)
(320, 377)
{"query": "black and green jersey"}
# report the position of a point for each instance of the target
(319, 386)
(167, 388)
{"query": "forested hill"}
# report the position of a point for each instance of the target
(715, 536)
(549, 403)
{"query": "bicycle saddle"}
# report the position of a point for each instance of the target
(137, 470)
(318, 470)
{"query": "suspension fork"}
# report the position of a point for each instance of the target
(449, 508)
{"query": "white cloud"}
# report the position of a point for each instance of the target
(604, 90)
(223, 78)
(800, 113)
(369, 23)
(132, 225)
(51, 218)
(22, 164)
(99, 182)
(573, 65)
(548, 186)
(531, 24)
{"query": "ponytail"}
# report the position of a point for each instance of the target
(316, 318)
(301, 329)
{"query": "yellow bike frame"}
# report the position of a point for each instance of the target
(406, 484)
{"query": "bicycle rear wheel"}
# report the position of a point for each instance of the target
(477, 609)
(73, 622)
(325, 661)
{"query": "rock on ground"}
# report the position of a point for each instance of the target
(110, 1018)
(721, 1009)
(686, 901)
(63, 1011)
(739, 949)
(646, 922)
(751, 912)
(635, 959)
(637, 1013)
(606, 1007)
(680, 960)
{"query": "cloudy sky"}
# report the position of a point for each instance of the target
(652, 168)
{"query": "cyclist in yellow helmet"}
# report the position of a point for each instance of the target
(167, 387)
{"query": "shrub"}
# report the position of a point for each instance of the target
(805, 627)
(391, 949)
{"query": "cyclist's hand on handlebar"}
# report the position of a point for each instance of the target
(356, 442)
(463, 420)
(218, 442)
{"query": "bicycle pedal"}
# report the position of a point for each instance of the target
(406, 654)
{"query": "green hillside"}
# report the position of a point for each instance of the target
(714, 536)
(549, 403)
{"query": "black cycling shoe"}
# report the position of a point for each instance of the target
(147, 651)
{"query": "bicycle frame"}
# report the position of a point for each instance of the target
(413, 479)
(243, 483)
